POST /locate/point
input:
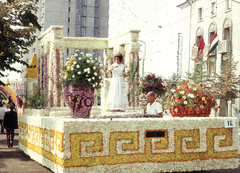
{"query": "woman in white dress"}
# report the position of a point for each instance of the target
(117, 94)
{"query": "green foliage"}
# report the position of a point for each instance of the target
(17, 32)
(35, 101)
(226, 85)
(83, 69)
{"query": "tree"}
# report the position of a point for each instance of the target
(227, 82)
(17, 28)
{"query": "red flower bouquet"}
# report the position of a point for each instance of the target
(151, 83)
(190, 100)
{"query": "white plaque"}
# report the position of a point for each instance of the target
(229, 123)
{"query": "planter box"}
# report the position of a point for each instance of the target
(64, 144)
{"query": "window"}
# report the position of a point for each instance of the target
(67, 51)
(211, 66)
(96, 12)
(95, 32)
(227, 34)
(69, 19)
(211, 36)
(213, 6)
(84, 2)
(96, 2)
(83, 21)
(84, 11)
(227, 4)
(198, 40)
(200, 13)
(83, 31)
(68, 30)
(95, 22)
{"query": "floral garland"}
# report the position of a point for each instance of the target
(151, 83)
(85, 70)
(190, 96)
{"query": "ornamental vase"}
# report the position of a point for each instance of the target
(80, 99)
(186, 113)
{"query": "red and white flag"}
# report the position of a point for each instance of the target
(213, 45)
(200, 48)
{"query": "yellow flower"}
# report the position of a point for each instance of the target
(69, 65)
(182, 92)
(194, 89)
(216, 106)
(205, 101)
(201, 106)
(203, 98)
(184, 97)
(178, 87)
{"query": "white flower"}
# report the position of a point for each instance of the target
(73, 76)
(95, 73)
(75, 54)
(89, 79)
(192, 95)
(92, 61)
(94, 67)
(79, 72)
(89, 55)
(66, 63)
(79, 58)
(100, 77)
(74, 62)
(99, 58)
(72, 68)
(93, 85)
(88, 72)
(101, 65)
(185, 102)
(81, 53)
(93, 78)
(78, 66)
(96, 83)
(67, 58)
(88, 61)
(85, 70)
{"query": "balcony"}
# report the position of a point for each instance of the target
(224, 46)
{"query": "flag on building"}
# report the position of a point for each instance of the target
(200, 48)
(213, 45)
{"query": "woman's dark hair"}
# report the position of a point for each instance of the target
(119, 56)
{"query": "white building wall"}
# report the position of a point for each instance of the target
(161, 43)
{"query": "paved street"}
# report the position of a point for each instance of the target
(13, 160)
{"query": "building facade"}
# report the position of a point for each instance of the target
(204, 18)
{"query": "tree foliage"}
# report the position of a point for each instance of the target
(227, 82)
(18, 24)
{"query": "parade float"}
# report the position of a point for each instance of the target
(115, 142)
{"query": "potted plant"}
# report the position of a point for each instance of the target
(151, 82)
(190, 99)
(83, 74)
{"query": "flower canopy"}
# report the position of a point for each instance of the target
(190, 96)
(85, 70)
(151, 83)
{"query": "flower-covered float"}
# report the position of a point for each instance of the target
(118, 144)
(190, 99)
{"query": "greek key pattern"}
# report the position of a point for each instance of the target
(123, 147)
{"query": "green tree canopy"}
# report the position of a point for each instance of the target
(18, 24)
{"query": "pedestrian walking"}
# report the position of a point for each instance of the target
(10, 123)
(2, 113)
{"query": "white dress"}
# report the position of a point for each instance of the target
(117, 93)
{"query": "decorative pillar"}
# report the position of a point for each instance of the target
(108, 56)
(132, 47)
(55, 65)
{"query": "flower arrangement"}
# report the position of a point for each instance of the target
(83, 69)
(190, 99)
(151, 83)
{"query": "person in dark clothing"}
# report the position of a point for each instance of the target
(10, 123)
